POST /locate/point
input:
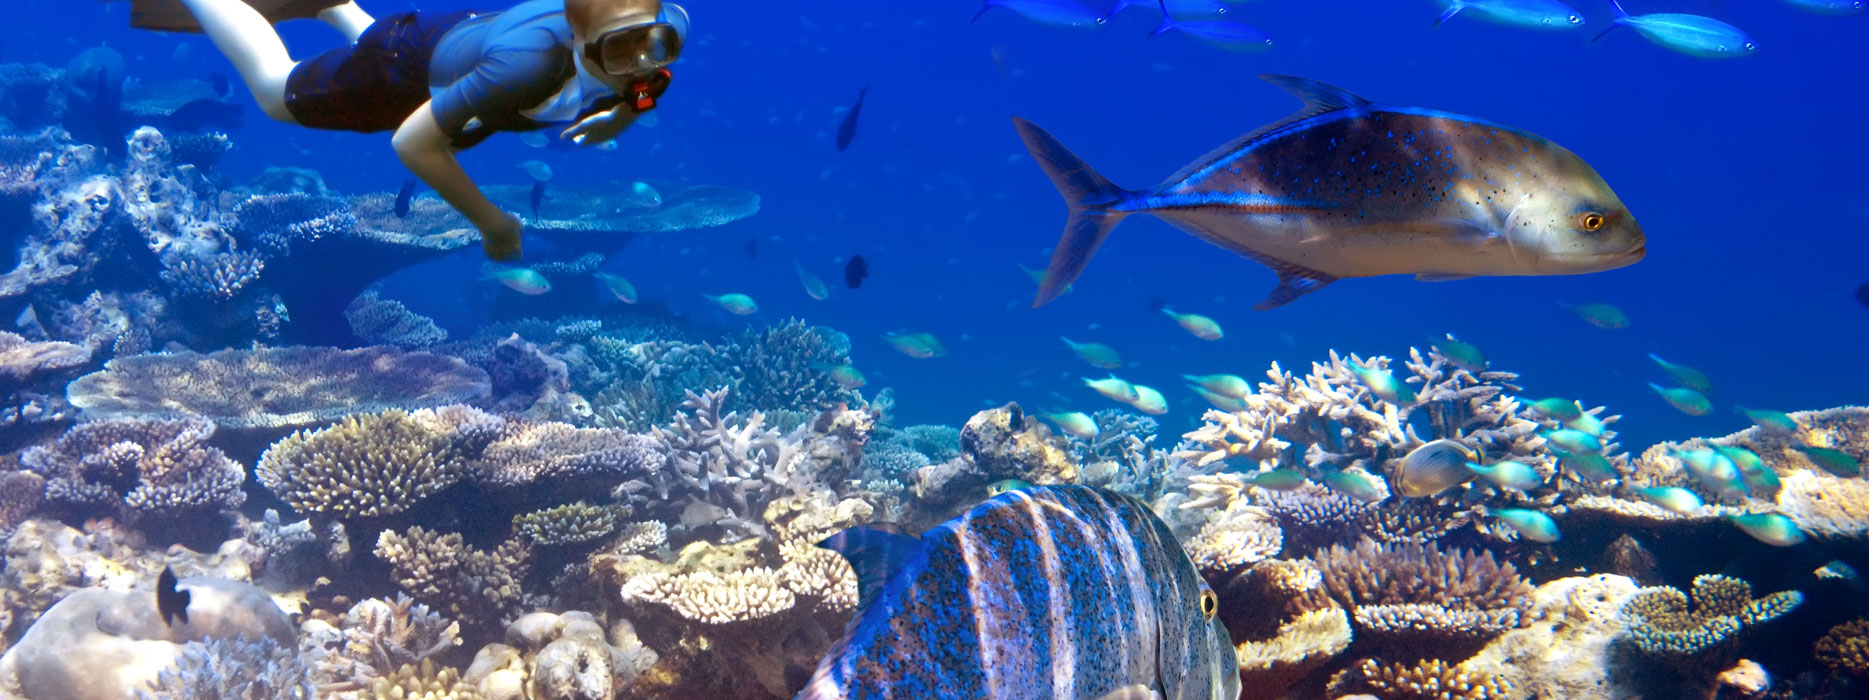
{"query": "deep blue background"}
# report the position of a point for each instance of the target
(1748, 176)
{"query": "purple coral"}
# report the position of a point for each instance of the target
(139, 469)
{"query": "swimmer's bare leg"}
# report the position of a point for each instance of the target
(347, 18)
(248, 40)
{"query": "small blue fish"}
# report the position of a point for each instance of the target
(1530, 524)
(1572, 441)
(1830, 459)
(847, 129)
(1040, 592)
(1055, 13)
(1587, 423)
(1713, 470)
(1221, 33)
(1684, 375)
(1357, 485)
(404, 197)
(1829, 7)
(1694, 35)
(1384, 385)
(1768, 420)
(1683, 399)
(1512, 475)
(1464, 355)
(1590, 467)
(1673, 499)
(1531, 14)
(1558, 409)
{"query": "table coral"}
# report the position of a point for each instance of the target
(365, 466)
(1432, 679)
(23, 362)
(380, 321)
(1419, 597)
(1302, 645)
(534, 452)
(274, 388)
(1703, 640)
(139, 469)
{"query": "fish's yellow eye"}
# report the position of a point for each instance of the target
(1210, 604)
(1591, 222)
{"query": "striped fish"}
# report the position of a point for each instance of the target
(1045, 592)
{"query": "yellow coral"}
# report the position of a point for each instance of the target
(1845, 649)
(424, 682)
(364, 466)
(1427, 680)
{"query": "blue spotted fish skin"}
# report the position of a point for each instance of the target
(1048, 592)
(1351, 188)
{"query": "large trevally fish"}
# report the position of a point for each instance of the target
(1045, 592)
(1350, 188)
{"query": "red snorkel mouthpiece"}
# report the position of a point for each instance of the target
(643, 93)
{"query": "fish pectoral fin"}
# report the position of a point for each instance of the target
(1293, 281)
(1131, 692)
(1441, 277)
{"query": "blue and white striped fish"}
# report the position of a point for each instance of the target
(1045, 592)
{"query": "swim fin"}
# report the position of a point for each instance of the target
(173, 16)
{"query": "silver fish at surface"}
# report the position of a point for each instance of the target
(1044, 592)
(1350, 188)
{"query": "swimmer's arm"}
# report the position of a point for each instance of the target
(426, 151)
(600, 128)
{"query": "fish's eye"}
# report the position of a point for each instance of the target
(1210, 604)
(1574, 19)
(1591, 222)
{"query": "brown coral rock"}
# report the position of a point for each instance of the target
(1845, 649)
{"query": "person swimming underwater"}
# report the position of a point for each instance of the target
(445, 81)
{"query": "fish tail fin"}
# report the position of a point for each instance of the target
(1168, 20)
(1089, 196)
(1621, 16)
(984, 6)
(1453, 8)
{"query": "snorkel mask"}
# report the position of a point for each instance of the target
(640, 49)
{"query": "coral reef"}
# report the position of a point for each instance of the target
(563, 525)
(1568, 647)
(1408, 598)
(365, 466)
(236, 669)
(1845, 649)
(373, 640)
(139, 470)
(275, 388)
(1002, 443)
(1703, 640)
(479, 588)
(1302, 645)
(526, 453)
(1433, 679)
(380, 321)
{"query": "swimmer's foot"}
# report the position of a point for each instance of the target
(173, 16)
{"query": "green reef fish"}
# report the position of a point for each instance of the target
(1512, 475)
(1587, 423)
(1769, 420)
(1713, 470)
(921, 346)
(845, 375)
(814, 286)
(1383, 384)
(736, 304)
(1350, 188)
(1227, 385)
(1673, 499)
(1558, 409)
(1683, 399)
(619, 287)
(1684, 375)
(524, 280)
(1694, 35)
(1219, 401)
(1590, 467)
(1530, 524)
(1003, 485)
(1745, 460)
(1530, 14)
(1113, 388)
(1771, 528)
(1201, 326)
(1075, 424)
(1098, 355)
(1599, 315)
(1759, 480)
(1572, 441)
(1280, 479)
(1464, 355)
(1148, 400)
(1357, 485)
(1830, 459)
(1039, 592)
(1433, 468)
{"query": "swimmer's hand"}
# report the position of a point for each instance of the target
(600, 128)
(500, 238)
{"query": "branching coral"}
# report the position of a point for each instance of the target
(1704, 639)
(373, 640)
(362, 467)
(568, 524)
(528, 452)
(786, 367)
(1405, 594)
(237, 669)
(708, 455)
(139, 469)
(387, 322)
(1232, 540)
(1432, 679)
(275, 387)
(1301, 646)
(477, 587)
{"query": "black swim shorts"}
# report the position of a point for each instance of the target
(375, 84)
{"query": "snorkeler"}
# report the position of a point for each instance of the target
(445, 81)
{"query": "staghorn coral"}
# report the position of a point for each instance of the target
(567, 524)
(365, 466)
(1702, 640)
(1408, 594)
(275, 387)
(479, 588)
(380, 321)
(784, 367)
(715, 461)
(237, 669)
(1845, 649)
(373, 640)
(1232, 540)
(139, 469)
(529, 452)
(1432, 679)
(647, 378)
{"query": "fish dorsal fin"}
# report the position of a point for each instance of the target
(1318, 98)
(876, 553)
(1293, 281)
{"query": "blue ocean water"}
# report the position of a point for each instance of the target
(1746, 174)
